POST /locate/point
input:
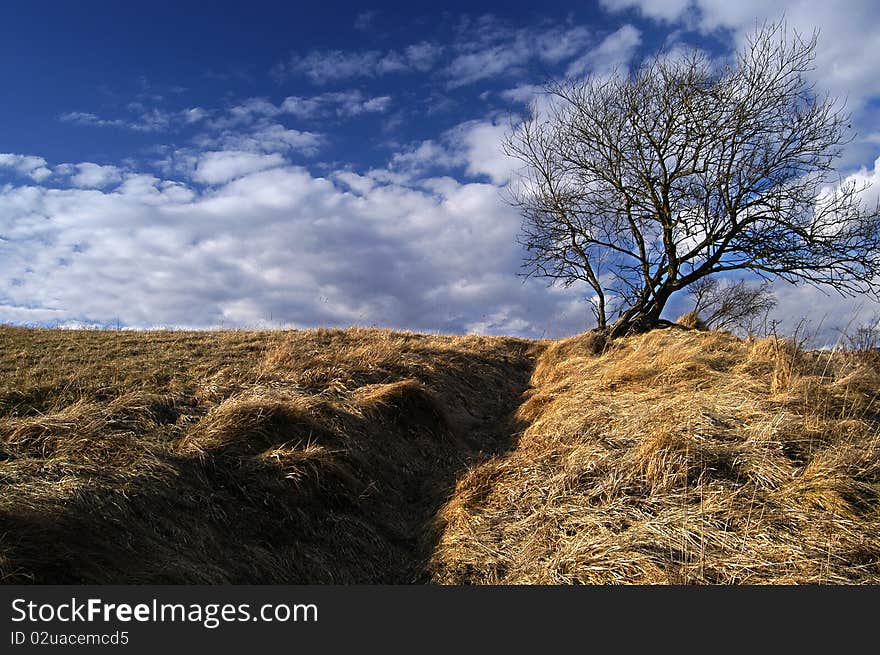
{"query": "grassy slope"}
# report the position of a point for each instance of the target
(240, 457)
(679, 457)
(376, 456)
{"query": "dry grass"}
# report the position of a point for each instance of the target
(678, 457)
(370, 456)
(692, 321)
(240, 457)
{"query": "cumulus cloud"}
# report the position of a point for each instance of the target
(419, 157)
(277, 242)
(28, 165)
(222, 166)
(869, 180)
(481, 142)
(473, 146)
(267, 137)
(89, 175)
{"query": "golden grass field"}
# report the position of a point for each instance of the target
(372, 456)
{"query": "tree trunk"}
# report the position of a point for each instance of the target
(641, 317)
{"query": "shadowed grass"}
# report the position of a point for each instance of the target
(240, 457)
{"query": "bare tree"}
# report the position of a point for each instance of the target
(865, 337)
(641, 184)
(726, 305)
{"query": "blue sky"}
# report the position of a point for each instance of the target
(265, 164)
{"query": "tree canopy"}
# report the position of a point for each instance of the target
(638, 184)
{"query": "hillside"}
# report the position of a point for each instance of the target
(370, 456)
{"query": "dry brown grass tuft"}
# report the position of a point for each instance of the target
(678, 457)
(692, 321)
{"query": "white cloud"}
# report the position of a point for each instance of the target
(193, 115)
(499, 322)
(267, 138)
(28, 165)
(29, 315)
(378, 104)
(140, 119)
(360, 184)
(88, 118)
(279, 244)
(252, 109)
(426, 154)
(88, 175)
(482, 48)
(481, 142)
(343, 104)
(558, 44)
(303, 107)
(422, 56)
(490, 62)
(848, 35)
(490, 48)
(222, 166)
(615, 51)
(325, 66)
(666, 10)
(474, 146)
(869, 180)
(523, 93)
(151, 120)
(822, 316)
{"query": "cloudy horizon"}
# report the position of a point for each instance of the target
(262, 169)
